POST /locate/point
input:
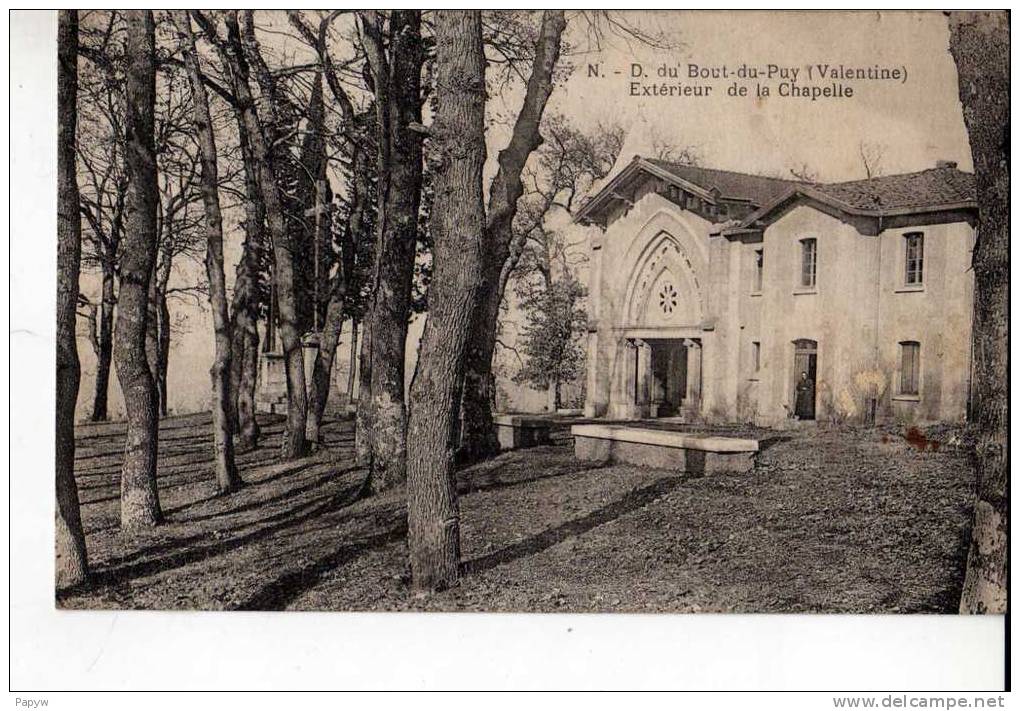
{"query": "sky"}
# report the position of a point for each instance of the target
(916, 122)
(913, 124)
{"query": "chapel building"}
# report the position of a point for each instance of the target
(729, 297)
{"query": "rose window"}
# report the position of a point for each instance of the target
(667, 299)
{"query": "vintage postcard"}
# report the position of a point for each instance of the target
(532, 311)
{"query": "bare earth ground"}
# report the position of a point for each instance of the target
(830, 520)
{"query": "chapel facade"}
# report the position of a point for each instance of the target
(723, 296)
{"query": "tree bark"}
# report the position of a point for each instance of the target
(71, 558)
(979, 43)
(244, 352)
(227, 478)
(245, 305)
(159, 332)
(353, 361)
(104, 353)
(478, 437)
(457, 225)
(139, 496)
(323, 366)
(382, 417)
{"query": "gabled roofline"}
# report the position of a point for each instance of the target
(610, 190)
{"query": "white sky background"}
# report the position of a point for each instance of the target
(918, 122)
(915, 123)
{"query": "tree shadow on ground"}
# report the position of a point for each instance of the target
(287, 588)
(185, 551)
(575, 527)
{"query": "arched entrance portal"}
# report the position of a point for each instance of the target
(661, 336)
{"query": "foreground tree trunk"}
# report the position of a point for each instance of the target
(244, 352)
(382, 417)
(160, 330)
(458, 221)
(478, 437)
(227, 478)
(352, 361)
(104, 353)
(245, 307)
(71, 559)
(979, 43)
(139, 497)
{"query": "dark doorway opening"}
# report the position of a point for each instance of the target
(805, 369)
(669, 376)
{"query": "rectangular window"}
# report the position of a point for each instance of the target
(808, 261)
(915, 257)
(910, 367)
(756, 355)
(759, 269)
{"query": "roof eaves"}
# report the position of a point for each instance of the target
(827, 199)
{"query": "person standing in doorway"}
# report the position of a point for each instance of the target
(805, 409)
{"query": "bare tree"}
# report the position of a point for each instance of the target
(542, 260)
(506, 189)
(804, 173)
(234, 52)
(139, 496)
(458, 221)
(227, 478)
(395, 76)
(71, 558)
(871, 155)
(104, 182)
(979, 42)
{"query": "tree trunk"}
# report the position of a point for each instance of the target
(104, 354)
(139, 496)
(244, 353)
(71, 558)
(478, 439)
(353, 361)
(382, 417)
(152, 336)
(294, 442)
(163, 350)
(458, 221)
(479, 432)
(323, 367)
(227, 478)
(979, 43)
(245, 306)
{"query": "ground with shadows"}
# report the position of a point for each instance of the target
(830, 520)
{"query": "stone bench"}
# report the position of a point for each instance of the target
(692, 454)
(520, 431)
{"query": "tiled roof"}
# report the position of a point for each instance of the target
(756, 188)
(927, 188)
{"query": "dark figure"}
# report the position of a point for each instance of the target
(805, 406)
